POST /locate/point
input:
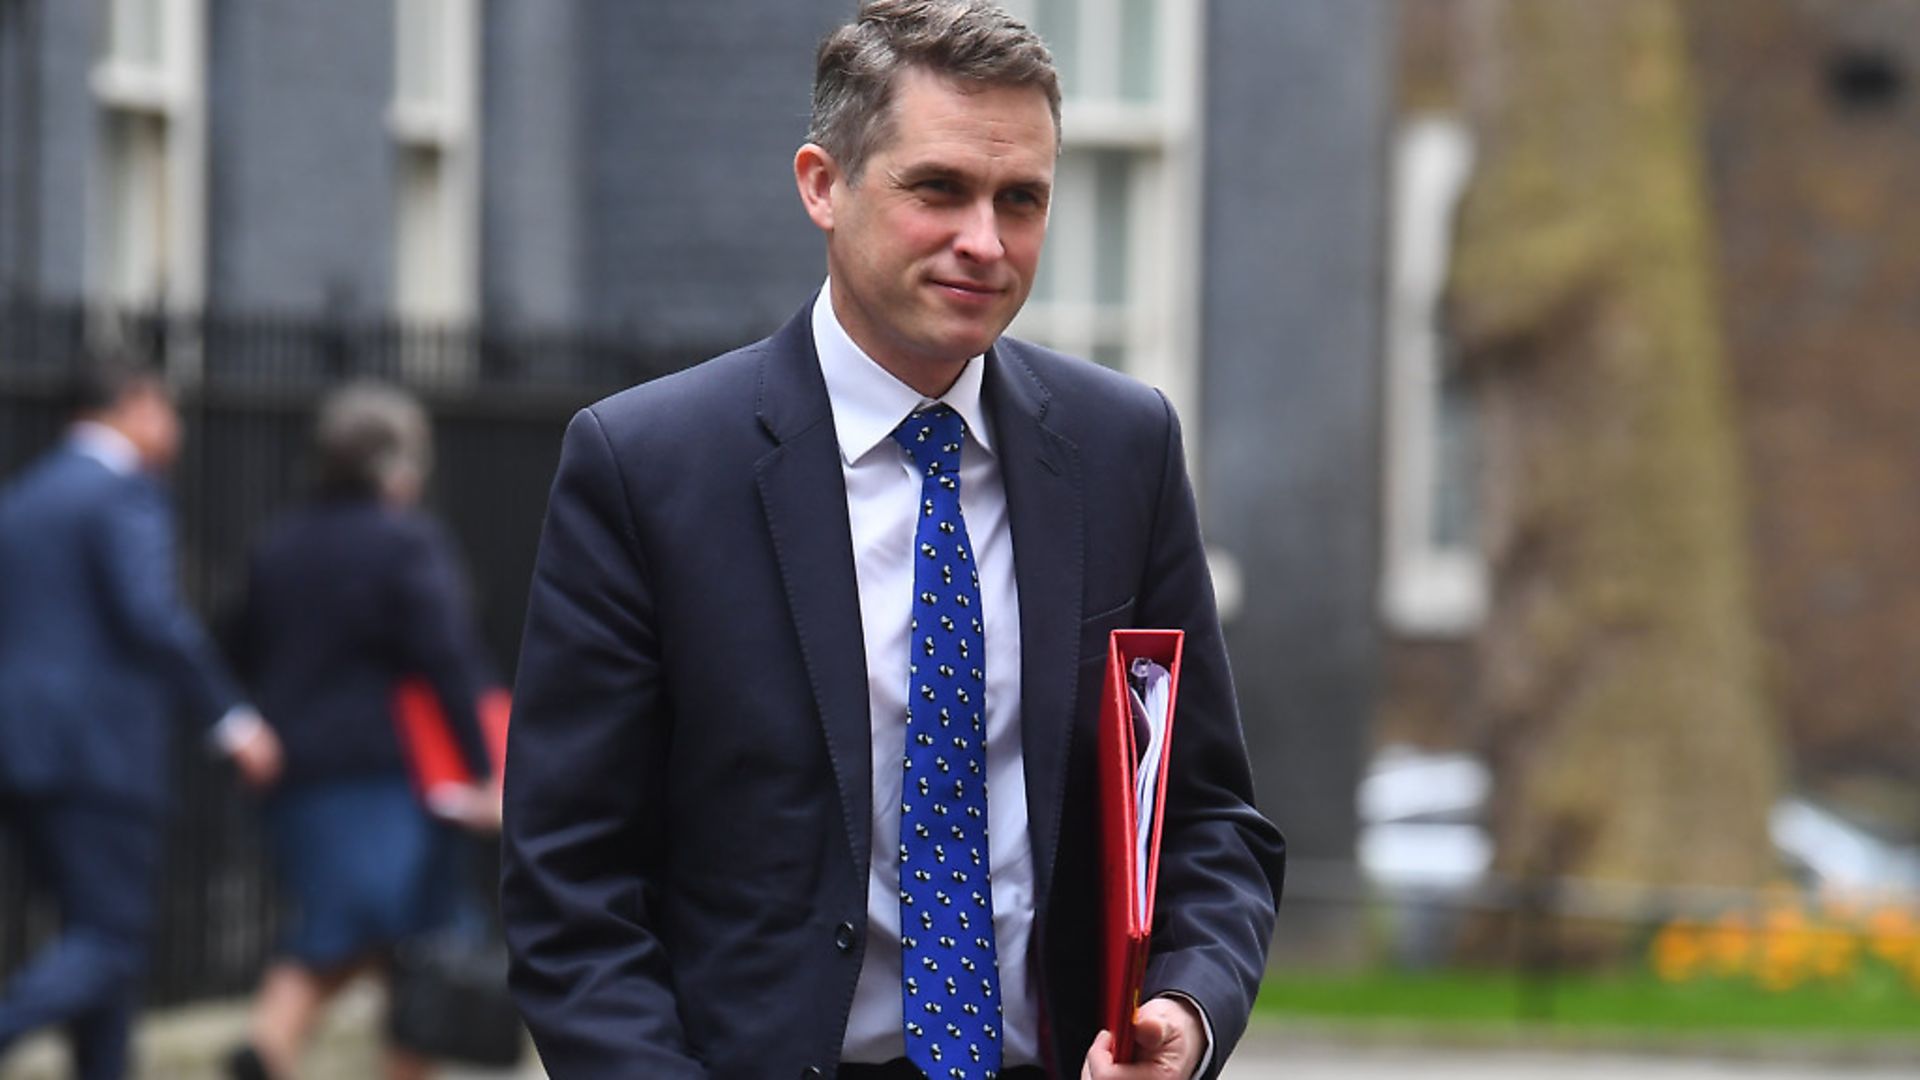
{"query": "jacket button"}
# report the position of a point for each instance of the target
(843, 937)
(812, 1072)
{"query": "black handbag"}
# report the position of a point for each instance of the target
(449, 1000)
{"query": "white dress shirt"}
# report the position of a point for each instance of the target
(106, 446)
(883, 505)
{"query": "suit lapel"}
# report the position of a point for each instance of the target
(1041, 471)
(803, 492)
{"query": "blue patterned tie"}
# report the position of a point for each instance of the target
(950, 985)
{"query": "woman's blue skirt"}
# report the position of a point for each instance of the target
(362, 866)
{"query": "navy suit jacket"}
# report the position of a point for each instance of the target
(345, 598)
(688, 776)
(97, 651)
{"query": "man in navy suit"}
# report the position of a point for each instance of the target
(723, 684)
(96, 654)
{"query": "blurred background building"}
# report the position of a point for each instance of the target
(516, 207)
(1545, 364)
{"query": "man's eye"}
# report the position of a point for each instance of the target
(1023, 199)
(938, 187)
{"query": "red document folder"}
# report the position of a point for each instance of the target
(1129, 921)
(432, 753)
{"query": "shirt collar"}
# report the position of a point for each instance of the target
(868, 402)
(106, 446)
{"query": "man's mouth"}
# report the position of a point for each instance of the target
(968, 289)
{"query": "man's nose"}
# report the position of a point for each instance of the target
(979, 236)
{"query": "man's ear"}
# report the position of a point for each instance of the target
(815, 172)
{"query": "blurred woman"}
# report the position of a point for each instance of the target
(347, 596)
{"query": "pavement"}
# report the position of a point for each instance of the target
(191, 1043)
(188, 1044)
(1265, 1057)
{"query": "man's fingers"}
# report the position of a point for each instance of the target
(1162, 1046)
(1099, 1056)
(259, 758)
(1150, 1032)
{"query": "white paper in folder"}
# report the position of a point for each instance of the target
(1148, 688)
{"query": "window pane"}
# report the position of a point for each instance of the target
(1066, 267)
(1456, 508)
(136, 214)
(420, 75)
(1045, 281)
(1139, 50)
(422, 271)
(1112, 188)
(1058, 24)
(136, 32)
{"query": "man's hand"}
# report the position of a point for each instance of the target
(474, 807)
(1168, 1039)
(257, 755)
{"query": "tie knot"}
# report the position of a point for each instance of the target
(932, 438)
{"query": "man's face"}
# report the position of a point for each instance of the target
(147, 418)
(933, 250)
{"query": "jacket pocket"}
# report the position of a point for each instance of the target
(1095, 628)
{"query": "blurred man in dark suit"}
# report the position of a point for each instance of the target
(97, 652)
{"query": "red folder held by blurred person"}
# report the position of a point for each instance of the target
(1136, 727)
(432, 753)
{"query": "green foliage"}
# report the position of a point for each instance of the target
(1626, 1003)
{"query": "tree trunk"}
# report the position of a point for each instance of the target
(1626, 721)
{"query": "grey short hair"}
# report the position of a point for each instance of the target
(368, 433)
(860, 63)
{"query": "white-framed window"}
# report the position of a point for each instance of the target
(434, 122)
(1119, 280)
(1434, 575)
(146, 232)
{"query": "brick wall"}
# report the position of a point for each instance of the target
(1810, 113)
